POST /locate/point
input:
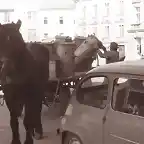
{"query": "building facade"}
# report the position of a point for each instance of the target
(47, 19)
(6, 15)
(110, 21)
(136, 28)
(52, 22)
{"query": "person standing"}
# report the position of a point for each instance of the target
(112, 55)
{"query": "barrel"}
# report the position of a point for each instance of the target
(65, 50)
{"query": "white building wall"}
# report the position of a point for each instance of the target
(114, 19)
(53, 11)
(53, 27)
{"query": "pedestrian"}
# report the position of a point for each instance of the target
(112, 55)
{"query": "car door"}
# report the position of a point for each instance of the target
(125, 125)
(88, 114)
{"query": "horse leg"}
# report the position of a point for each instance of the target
(15, 129)
(38, 96)
(13, 115)
(14, 124)
(38, 124)
(28, 124)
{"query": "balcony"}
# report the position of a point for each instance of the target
(136, 1)
(6, 10)
(135, 28)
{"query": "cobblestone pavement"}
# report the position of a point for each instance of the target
(50, 123)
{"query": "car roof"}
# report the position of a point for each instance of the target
(135, 67)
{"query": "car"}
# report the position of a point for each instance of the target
(107, 106)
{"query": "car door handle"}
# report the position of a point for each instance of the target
(104, 119)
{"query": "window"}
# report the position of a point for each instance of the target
(31, 35)
(121, 8)
(106, 31)
(45, 20)
(121, 31)
(84, 12)
(137, 14)
(139, 49)
(7, 17)
(61, 20)
(107, 9)
(95, 10)
(45, 35)
(29, 15)
(93, 92)
(137, 9)
(128, 96)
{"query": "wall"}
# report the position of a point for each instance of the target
(53, 27)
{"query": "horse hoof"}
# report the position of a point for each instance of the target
(16, 142)
(38, 136)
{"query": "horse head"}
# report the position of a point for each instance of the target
(11, 40)
(79, 40)
(93, 41)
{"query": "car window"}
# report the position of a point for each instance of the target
(94, 81)
(93, 92)
(121, 80)
(128, 96)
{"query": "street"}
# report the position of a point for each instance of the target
(50, 124)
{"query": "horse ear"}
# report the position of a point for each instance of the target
(18, 24)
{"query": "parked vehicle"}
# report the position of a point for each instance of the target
(109, 109)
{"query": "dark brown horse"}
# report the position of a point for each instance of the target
(24, 74)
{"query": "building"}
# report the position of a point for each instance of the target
(109, 20)
(47, 19)
(6, 12)
(6, 15)
(56, 18)
(136, 28)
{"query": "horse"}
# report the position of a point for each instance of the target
(79, 40)
(86, 53)
(24, 74)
